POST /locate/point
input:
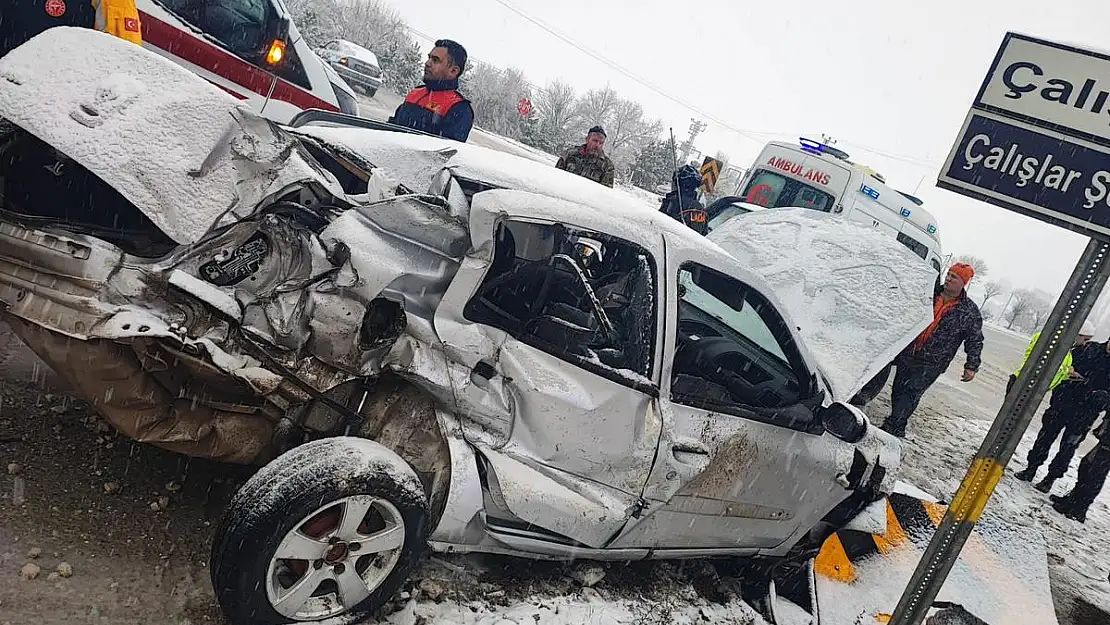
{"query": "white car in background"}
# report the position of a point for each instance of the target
(354, 63)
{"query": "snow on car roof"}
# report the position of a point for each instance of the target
(353, 49)
(415, 159)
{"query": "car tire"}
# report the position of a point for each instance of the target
(298, 506)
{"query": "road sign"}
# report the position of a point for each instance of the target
(1037, 138)
(1034, 142)
(710, 172)
(524, 107)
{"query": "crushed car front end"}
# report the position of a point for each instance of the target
(189, 267)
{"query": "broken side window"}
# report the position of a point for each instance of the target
(734, 351)
(582, 296)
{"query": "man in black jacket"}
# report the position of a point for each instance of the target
(1093, 469)
(1073, 410)
(956, 321)
(21, 21)
(682, 203)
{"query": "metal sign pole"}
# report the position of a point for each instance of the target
(1063, 325)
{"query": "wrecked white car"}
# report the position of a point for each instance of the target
(459, 365)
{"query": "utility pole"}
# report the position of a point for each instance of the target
(696, 127)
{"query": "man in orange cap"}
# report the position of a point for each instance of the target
(956, 321)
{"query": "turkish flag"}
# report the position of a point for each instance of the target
(131, 24)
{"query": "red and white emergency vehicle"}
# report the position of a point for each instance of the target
(249, 48)
(813, 175)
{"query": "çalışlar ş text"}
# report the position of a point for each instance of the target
(1011, 162)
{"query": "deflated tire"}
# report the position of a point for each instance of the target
(329, 530)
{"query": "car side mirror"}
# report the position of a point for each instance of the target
(845, 422)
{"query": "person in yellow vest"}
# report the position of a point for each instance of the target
(1077, 398)
(1065, 370)
(18, 24)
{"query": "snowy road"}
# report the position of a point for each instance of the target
(944, 435)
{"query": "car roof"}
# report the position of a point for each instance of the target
(357, 51)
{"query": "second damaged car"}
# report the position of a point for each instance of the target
(501, 371)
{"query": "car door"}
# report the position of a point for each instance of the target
(745, 465)
(560, 402)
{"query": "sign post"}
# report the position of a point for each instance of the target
(1036, 142)
(710, 172)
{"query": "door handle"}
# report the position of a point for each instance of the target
(689, 446)
(483, 371)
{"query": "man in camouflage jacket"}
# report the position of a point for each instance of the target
(589, 160)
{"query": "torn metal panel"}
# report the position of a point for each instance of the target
(582, 510)
(110, 376)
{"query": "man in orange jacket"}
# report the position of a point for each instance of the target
(32, 17)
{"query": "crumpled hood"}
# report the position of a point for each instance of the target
(147, 126)
(858, 295)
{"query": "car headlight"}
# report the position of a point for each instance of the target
(347, 102)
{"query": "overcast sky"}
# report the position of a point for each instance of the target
(778, 70)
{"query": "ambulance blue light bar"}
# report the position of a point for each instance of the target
(811, 146)
(869, 192)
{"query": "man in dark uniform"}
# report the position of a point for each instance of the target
(1072, 411)
(21, 21)
(436, 107)
(1093, 469)
(20, 25)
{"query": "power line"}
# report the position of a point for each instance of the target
(752, 135)
(629, 74)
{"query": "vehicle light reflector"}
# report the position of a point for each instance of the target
(869, 192)
(276, 53)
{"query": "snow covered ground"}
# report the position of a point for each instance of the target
(944, 435)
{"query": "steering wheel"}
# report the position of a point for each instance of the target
(706, 356)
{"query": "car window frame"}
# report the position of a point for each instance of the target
(646, 383)
(810, 395)
(292, 69)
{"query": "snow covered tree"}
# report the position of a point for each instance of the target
(653, 165)
(1029, 310)
(556, 106)
(495, 94)
(369, 23)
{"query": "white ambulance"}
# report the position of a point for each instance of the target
(813, 175)
(249, 48)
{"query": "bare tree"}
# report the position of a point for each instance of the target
(1029, 310)
(1019, 308)
(596, 108)
(556, 106)
(990, 290)
(978, 264)
(495, 93)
